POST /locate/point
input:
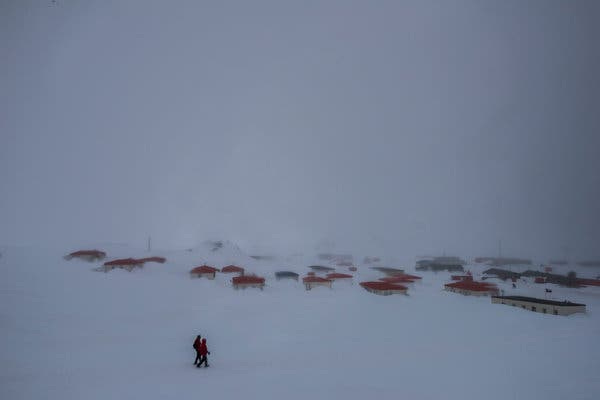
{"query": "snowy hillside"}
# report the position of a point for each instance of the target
(70, 333)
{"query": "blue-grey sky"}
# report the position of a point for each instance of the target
(385, 126)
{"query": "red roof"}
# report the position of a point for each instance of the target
(397, 279)
(382, 286)
(232, 268)
(314, 279)
(337, 275)
(204, 269)
(473, 286)
(247, 279)
(410, 276)
(95, 253)
(153, 259)
(539, 279)
(123, 261)
(589, 282)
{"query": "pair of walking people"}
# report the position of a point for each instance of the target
(201, 352)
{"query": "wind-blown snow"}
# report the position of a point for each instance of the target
(68, 333)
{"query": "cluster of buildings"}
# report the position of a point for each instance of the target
(127, 264)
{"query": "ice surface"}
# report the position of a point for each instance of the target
(70, 333)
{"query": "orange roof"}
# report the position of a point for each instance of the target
(123, 261)
(204, 269)
(473, 286)
(247, 279)
(337, 275)
(153, 259)
(410, 276)
(397, 279)
(232, 268)
(382, 286)
(314, 279)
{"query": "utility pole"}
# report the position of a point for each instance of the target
(149, 244)
(499, 248)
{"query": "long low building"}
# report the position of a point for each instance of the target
(472, 288)
(540, 305)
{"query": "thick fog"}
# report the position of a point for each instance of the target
(389, 127)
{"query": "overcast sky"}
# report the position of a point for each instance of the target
(399, 127)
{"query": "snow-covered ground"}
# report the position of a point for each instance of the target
(70, 333)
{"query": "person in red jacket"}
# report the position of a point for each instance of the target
(203, 352)
(196, 345)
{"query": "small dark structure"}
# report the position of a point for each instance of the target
(389, 271)
(286, 275)
(321, 268)
(337, 276)
(502, 273)
(540, 305)
(87, 255)
(499, 261)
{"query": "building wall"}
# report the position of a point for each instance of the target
(541, 308)
(248, 285)
(210, 275)
(385, 292)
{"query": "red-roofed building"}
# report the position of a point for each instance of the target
(472, 288)
(337, 276)
(384, 288)
(243, 282)
(397, 279)
(313, 281)
(539, 279)
(204, 271)
(123, 263)
(160, 260)
(87, 255)
(232, 269)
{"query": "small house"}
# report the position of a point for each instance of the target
(160, 260)
(127, 264)
(243, 282)
(472, 288)
(540, 305)
(86, 255)
(353, 269)
(204, 271)
(339, 277)
(286, 275)
(321, 268)
(539, 279)
(314, 281)
(232, 269)
(384, 288)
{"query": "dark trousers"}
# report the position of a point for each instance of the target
(198, 357)
(204, 360)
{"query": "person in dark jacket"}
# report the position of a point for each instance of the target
(196, 345)
(203, 352)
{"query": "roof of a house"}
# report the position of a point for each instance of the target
(286, 274)
(232, 268)
(161, 260)
(540, 301)
(88, 253)
(123, 261)
(247, 279)
(204, 269)
(321, 268)
(473, 286)
(315, 279)
(382, 286)
(397, 279)
(337, 275)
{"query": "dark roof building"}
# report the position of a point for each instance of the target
(540, 305)
(286, 275)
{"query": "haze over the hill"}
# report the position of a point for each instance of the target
(389, 127)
